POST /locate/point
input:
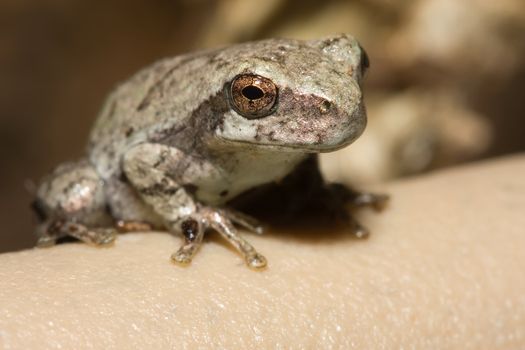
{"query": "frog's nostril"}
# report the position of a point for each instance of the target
(324, 106)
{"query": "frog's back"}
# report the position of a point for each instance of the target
(137, 109)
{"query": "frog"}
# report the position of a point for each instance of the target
(179, 140)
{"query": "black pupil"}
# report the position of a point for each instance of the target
(252, 92)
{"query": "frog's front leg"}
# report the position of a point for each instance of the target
(158, 173)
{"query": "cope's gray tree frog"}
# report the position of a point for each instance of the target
(183, 137)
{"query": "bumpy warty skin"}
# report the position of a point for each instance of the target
(171, 146)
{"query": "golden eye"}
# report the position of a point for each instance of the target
(253, 96)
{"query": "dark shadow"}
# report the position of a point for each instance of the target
(309, 226)
(302, 207)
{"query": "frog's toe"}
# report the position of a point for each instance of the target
(91, 236)
(49, 232)
(181, 257)
(102, 236)
(221, 221)
(45, 236)
(376, 201)
(245, 221)
(358, 230)
(256, 261)
(45, 242)
(193, 232)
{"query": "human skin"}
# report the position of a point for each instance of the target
(443, 269)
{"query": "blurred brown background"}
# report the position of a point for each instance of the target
(447, 83)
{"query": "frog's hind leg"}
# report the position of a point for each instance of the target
(71, 202)
(57, 229)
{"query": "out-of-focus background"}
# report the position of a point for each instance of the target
(446, 85)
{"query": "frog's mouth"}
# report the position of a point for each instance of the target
(301, 123)
(289, 148)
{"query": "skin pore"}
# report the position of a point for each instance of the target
(442, 269)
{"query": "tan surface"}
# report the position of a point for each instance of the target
(444, 268)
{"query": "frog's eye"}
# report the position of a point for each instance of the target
(253, 96)
(365, 61)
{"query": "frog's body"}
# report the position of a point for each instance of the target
(190, 133)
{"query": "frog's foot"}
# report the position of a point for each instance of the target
(343, 216)
(221, 221)
(340, 194)
(339, 197)
(377, 201)
(46, 238)
(50, 232)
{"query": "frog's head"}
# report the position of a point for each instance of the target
(293, 95)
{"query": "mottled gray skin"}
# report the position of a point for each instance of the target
(168, 149)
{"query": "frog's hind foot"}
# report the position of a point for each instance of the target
(221, 220)
(71, 203)
(49, 233)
